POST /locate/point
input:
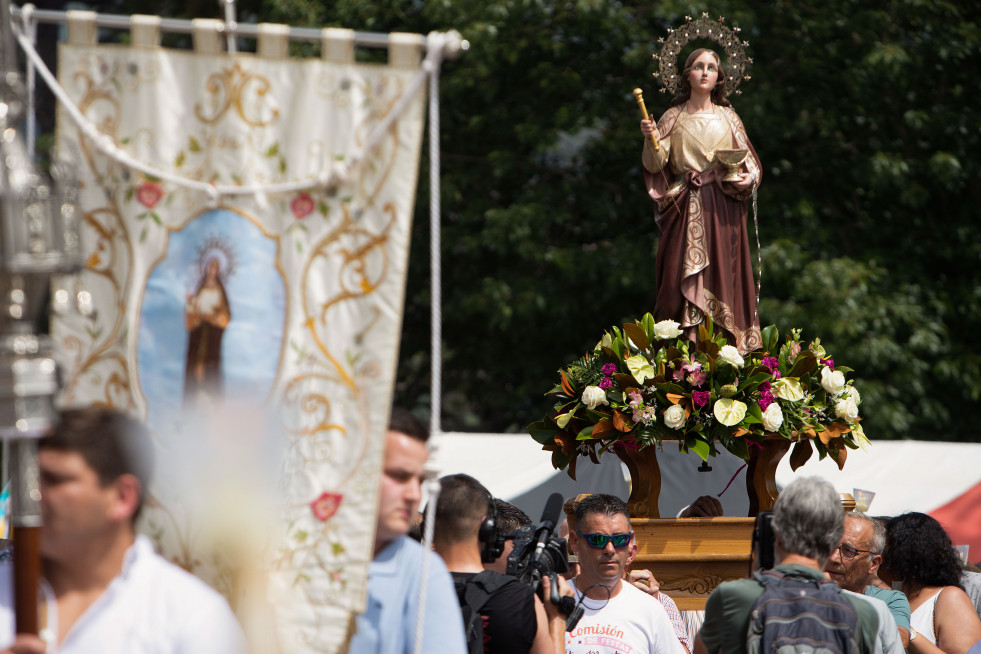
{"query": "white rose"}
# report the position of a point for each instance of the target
(772, 417)
(832, 381)
(666, 329)
(674, 416)
(730, 355)
(853, 393)
(847, 408)
(593, 396)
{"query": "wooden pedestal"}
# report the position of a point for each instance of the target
(691, 556)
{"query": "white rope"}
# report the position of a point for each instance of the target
(29, 25)
(435, 262)
(336, 175)
(432, 488)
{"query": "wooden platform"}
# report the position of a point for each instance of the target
(691, 556)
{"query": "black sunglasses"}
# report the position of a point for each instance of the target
(599, 541)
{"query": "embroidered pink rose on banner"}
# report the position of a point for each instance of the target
(149, 194)
(302, 205)
(325, 506)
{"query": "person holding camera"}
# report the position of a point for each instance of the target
(500, 614)
(618, 617)
(509, 520)
(808, 524)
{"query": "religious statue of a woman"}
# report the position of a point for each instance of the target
(206, 315)
(704, 267)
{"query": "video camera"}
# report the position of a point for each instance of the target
(538, 552)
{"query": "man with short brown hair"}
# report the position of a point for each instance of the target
(110, 592)
(388, 625)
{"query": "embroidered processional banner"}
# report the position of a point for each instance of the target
(256, 334)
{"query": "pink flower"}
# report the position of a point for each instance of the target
(678, 375)
(609, 369)
(772, 365)
(148, 194)
(692, 366)
(605, 383)
(696, 378)
(700, 398)
(636, 401)
(325, 506)
(794, 350)
(829, 362)
(766, 394)
(302, 205)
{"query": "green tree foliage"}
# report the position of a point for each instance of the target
(865, 116)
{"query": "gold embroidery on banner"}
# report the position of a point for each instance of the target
(100, 359)
(245, 91)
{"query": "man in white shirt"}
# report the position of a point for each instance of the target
(107, 591)
(617, 617)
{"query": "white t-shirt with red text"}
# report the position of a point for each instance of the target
(631, 622)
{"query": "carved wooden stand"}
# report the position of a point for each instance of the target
(691, 556)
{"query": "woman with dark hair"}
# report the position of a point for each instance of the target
(920, 555)
(703, 259)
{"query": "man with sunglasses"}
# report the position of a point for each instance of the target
(853, 566)
(617, 616)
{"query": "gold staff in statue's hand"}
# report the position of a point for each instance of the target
(643, 112)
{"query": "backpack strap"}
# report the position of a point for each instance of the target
(480, 589)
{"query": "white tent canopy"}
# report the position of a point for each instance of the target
(905, 475)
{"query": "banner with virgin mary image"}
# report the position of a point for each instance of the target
(257, 333)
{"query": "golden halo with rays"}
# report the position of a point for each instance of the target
(736, 61)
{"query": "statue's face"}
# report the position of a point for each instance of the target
(213, 269)
(704, 73)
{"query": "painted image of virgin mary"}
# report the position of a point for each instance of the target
(206, 315)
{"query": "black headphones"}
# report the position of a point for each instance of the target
(487, 534)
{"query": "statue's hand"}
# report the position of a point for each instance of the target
(745, 182)
(647, 128)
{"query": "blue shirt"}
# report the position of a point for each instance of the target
(388, 625)
(895, 600)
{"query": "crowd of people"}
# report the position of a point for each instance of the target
(874, 584)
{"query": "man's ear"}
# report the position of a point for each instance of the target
(874, 564)
(574, 542)
(632, 551)
(126, 492)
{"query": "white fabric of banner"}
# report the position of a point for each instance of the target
(257, 335)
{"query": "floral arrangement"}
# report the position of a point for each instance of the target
(646, 382)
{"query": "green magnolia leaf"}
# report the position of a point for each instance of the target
(585, 434)
(770, 338)
(804, 364)
(542, 432)
(647, 322)
(700, 447)
(754, 380)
